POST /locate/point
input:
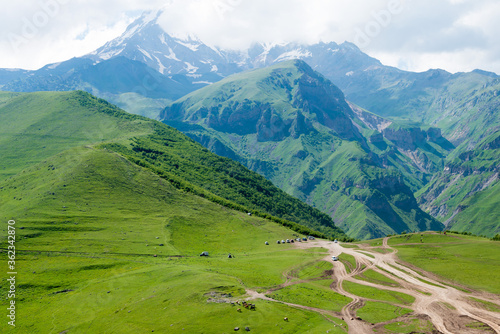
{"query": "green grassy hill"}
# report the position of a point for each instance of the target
(89, 223)
(109, 241)
(37, 126)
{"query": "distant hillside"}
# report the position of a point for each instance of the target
(128, 83)
(293, 126)
(37, 126)
(466, 194)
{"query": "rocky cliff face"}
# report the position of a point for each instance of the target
(410, 138)
(322, 100)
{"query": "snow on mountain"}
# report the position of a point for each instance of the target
(294, 54)
(184, 54)
(146, 41)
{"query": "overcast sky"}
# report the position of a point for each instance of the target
(456, 35)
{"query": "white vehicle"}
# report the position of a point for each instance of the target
(335, 258)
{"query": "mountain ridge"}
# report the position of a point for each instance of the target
(307, 145)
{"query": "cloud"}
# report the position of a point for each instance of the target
(456, 35)
(419, 34)
(38, 32)
(238, 23)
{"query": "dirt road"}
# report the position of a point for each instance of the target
(450, 310)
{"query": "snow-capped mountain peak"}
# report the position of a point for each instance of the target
(170, 54)
(174, 54)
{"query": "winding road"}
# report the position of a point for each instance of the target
(448, 308)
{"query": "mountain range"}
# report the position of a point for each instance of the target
(379, 149)
(293, 126)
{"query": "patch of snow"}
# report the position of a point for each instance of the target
(267, 48)
(171, 55)
(53, 66)
(192, 46)
(194, 76)
(216, 49)
(190, 68)
(128, 33)
(202, 82)
(144, 52)
(214, 68)
(162, 39)
(349, 73)
(161, 68)
(372, 68)
(294, 54)
(111, 53)
(333, 51)
(183, 36)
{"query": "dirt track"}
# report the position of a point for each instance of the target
(449, 309)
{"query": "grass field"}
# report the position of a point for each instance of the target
(378, 294)
(375, 277)
(349, 261)
(315, 270)
(85, 253)
(376, 312)
(415, 326)
(313, 294)
(467, 260)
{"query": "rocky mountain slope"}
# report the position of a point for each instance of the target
(294, 126)
(466, 194)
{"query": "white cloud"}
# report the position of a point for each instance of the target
(36, 32)
(457, 35)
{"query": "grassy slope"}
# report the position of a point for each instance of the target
(482, 216)
(85, 256)
(466, 108)
(466, 192)
(466, 260)
(336, 176)
(38, 125)
(92, 221)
